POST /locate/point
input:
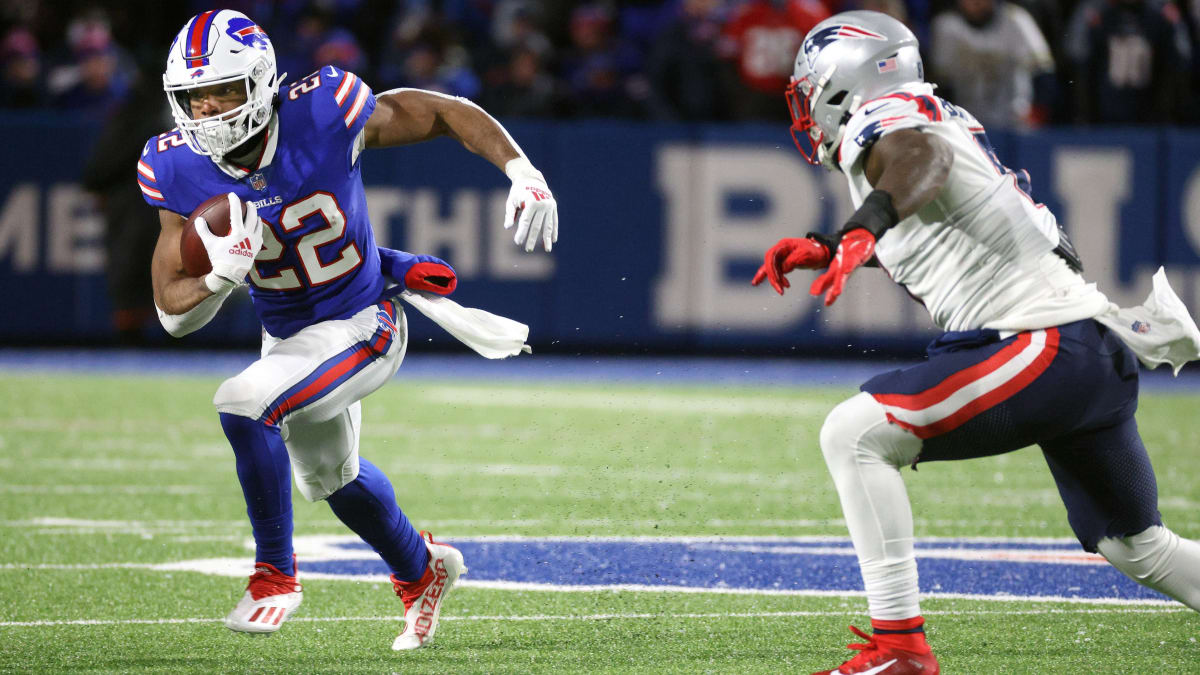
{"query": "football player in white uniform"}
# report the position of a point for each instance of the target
(1032, 354)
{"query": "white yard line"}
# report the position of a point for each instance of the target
(639, 403)
(105, 424)
(602, 617)
(84, 526)
(103, 489)
(65, 464)
(238, 567)
(49, 521)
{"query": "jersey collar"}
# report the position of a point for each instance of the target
(238, 171)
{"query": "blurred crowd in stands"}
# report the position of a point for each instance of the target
(1014, 63)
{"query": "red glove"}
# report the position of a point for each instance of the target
(432, 277)
(856, 248)
(787, 255)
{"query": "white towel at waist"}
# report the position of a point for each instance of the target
(1158, 331)
(488, 334)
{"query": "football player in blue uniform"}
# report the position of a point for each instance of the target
(317, 279)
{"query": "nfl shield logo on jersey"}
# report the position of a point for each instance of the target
(258, 181)
(1140, 327)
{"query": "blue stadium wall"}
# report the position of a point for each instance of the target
(661, 230)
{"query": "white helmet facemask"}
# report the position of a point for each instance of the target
(221, 48)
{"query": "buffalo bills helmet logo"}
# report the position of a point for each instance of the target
(818, 40)
(248, 33)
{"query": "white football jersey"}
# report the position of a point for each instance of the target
(981, 254)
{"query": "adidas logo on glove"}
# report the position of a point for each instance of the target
(243, 248)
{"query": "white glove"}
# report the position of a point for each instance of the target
(232, 255)
(530, 206)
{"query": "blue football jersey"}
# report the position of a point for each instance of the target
(318, 260)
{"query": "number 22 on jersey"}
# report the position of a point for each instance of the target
(315, 273)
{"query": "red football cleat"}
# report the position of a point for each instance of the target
(875, 658)
(270, 598)
(423, 598)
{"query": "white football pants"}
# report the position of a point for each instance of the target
(296, 384)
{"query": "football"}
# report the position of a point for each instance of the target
(215, 211)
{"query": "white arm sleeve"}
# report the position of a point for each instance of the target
(195, 318)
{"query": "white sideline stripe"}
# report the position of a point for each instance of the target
(238, 567)
(624, 402)
(157, 525)
(120, 524)
(1035, 556)
(699, 538)
(106, 464)
(637, 588)
(136, 427)
(103, 489)
(601, 617)
(76, 566)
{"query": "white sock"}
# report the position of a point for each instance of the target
(864, 453)
(1160, 559)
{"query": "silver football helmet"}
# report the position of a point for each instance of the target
(221, 47)
(845, 61)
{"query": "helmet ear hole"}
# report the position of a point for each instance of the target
(837, 98)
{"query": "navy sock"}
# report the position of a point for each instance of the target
(367, 505)
(264, 470)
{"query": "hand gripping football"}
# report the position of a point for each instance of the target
(215, 211)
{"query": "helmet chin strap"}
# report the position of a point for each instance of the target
(825, 152)
(243, 152)
(818, 89)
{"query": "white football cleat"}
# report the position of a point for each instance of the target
(271, 597)
(423, 597)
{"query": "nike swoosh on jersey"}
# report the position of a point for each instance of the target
(332, 72)
(877, 669)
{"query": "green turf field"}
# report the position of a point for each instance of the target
(98, 472)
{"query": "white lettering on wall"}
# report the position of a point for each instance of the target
(19, 228)
(75, 232)
(456, 234)
(701, 238)
(474, 217)
(382, 204)
(1093, 184)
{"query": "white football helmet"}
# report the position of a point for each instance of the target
(845, 61)
(217, 47)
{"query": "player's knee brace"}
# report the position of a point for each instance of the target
(1158, 558)
(857, 430)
